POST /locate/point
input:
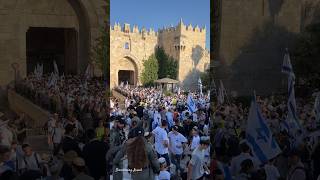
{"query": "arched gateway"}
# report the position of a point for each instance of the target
(44, 31)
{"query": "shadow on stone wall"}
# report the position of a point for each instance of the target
(275, 7)
(258, 66)
(197, 54)
(191, 80)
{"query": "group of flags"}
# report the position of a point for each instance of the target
(38, 71)
(259, 135)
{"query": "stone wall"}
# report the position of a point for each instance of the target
(184, 43)
(252, 43)
(140, 45)
(19, 104)
(16, 16)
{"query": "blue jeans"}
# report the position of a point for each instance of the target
(175, 159)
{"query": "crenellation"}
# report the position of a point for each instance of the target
(184, 43)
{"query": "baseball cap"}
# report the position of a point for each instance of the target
(162, 160)
(205, 140)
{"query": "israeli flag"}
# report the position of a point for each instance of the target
(287, 67)
(292, 116)
(56, 70)
(259, 136)
(200, 86)
(191, 104)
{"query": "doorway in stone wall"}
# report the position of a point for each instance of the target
(126, 76)
(45, 45)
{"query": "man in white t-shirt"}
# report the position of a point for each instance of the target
(162, 141)
(197, 167)
(195, 138)
(156, 119)
(176, 144)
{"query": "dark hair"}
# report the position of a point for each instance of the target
(164, 123)
(246, 165)
(91, 134)
(4, 149)
(69, 128)
(25, 146)
(244, 147)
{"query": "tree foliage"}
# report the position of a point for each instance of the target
(205, 79)
(306, 54)
(150, 71)
(307, 51)
(100, 53)
(168, 66)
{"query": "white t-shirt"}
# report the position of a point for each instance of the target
(57, 134)
(160, 136)
(272, 172)
(6, 135)
(157, 118)
(164, 175)
(197, 161)
(195, 142)
(176, 142)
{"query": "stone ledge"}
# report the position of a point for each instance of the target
(19, 104)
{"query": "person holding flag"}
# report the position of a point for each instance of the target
(191, 104)
(292, 117)
(200, 86)
(259, 135)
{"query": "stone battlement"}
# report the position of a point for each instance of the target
(135, 30)
(182, 26)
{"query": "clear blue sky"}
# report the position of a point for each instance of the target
(159, 13)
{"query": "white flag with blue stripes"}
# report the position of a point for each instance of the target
(56, 70)
(292, 117)
(259, 136)
(200, 86)
(287, 67)
(191, 104)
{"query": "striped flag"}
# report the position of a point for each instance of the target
(191, 104)
(292, 116)
(200, 86)
(259, 135)
(287, 67)
(56, 70)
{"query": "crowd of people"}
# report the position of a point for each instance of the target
(153, 135)
(233, 155)
(168, 139)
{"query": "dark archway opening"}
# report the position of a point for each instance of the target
(46, 45)
(126, 76)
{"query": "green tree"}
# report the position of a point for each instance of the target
(150, 71)
(168, 66)
(100, 53)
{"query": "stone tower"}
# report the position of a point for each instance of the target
(187, 45)
(129, 48)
